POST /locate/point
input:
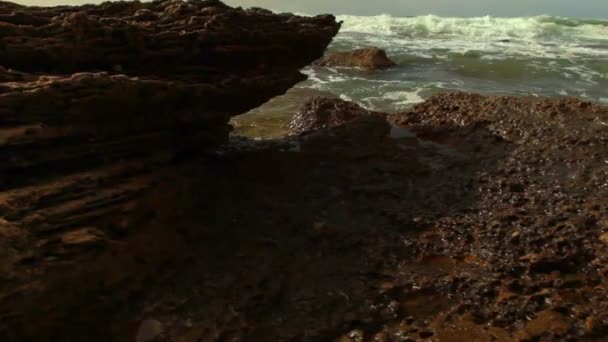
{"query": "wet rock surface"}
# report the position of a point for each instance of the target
(323, 112)
(366, 59)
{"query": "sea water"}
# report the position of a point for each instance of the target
(537, 56)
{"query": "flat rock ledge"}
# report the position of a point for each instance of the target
(323, 112)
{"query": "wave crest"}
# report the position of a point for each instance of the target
(490, 28)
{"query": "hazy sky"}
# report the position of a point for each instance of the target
(569, 8)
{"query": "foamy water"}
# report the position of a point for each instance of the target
(538, 56)
(542, 55)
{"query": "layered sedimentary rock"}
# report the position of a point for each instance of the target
(97, 100)
(195, 39)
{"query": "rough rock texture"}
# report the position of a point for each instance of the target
(94, 96)
(99, 102)
(322, 112)
(483, 219)
(526, 259)
(367, 59)
(199, 39)
(479, 219)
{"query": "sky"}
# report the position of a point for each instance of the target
(461, 8)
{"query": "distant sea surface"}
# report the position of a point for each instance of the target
(538, 56)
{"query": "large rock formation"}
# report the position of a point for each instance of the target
(97, 100)
(484, 218)
(366, 59)
(202, 40)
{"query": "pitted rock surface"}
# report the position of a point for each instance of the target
(322, 112)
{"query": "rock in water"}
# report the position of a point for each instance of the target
(323, 112)
(367, 59)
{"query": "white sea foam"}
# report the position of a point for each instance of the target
(543, 56)
(398, 99)
(346, 97)
(492, 28)
(314, 79)
(541, 36)
(404, 98)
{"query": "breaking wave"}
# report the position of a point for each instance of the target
(542, 56)
(492, 28)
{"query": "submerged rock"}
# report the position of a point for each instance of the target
(367, 59)
(322, 112)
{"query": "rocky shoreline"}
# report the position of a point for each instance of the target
(99, 103)
(127, 213)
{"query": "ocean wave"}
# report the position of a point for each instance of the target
(543, 55)
(434, 38)
(487, 28)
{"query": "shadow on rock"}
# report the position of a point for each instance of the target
(293, 239)
(475, 223)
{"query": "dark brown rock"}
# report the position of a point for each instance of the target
(189, 67)
(323, 112)
(193, 39)
(426, 236)
(99, 101)
(367, 59)
(149, 330)
(489, 221)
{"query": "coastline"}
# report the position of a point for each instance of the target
(128, 213)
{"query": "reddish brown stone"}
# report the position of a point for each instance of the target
(100, 102)
(367, 59)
